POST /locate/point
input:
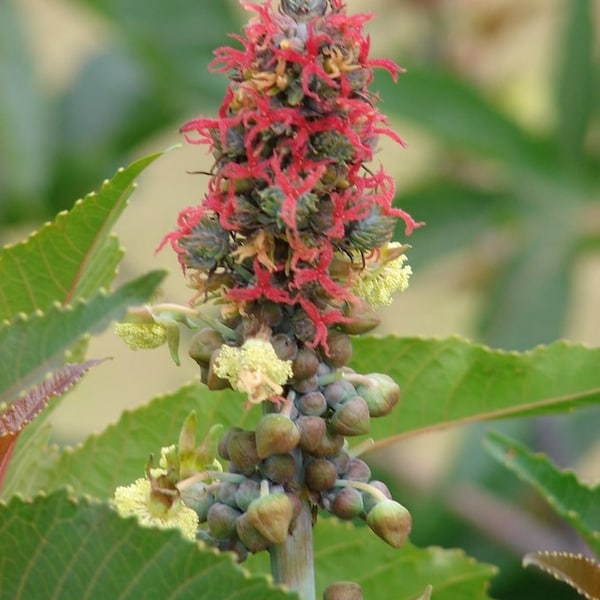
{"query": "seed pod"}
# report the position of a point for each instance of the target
(343, 590)
(357, 470)
(221, 520)
(381, 395)
(313, 403)
(338, 391)
(340, 348)
(279, 468)
(320, 474)
(198, 498)
(226, 493)
(347, 503)
(312, 430)
(223, 441)
(305, 386)
(203, 344)
(390, 521)
(247, 491)
(276, 434)
(305, 364)
(285, 347)
(341, 461)
(362, 317)
(241, 447)
(249, 535)
(331, 443)
(351, 417)
(272, 516)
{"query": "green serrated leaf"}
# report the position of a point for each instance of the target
(63, 548)
(345, 552)
(453, 381)
(73, 256)
(32, 346)
(575, 502)
(120, 453)
(576, 82)
(580, 572)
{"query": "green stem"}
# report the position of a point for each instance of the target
(292, 562)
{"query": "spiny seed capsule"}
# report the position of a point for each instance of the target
(304, 10)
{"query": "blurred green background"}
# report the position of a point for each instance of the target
(500, 108)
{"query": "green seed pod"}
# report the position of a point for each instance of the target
(242, 450)
(340, 348)
(276, 434)
(320, 474)
(391, 522)
(312, 404)
(305, 364)
(198, 498)
(272, 516)
(247, 491)
(221, 520)
(347, 503)
(250, 536)
(312, 430)
(226, 494)
(279, 468)
(351, 417)
(203, 344)
(343, 590)
(381, 394)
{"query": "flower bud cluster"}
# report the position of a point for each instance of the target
(293, 239)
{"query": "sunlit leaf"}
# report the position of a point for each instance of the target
(572, 500)
(452, 381)
(32, 346)
(580, 572)
(73, 256)
(120, 453)
(66, 548)
(343, 552)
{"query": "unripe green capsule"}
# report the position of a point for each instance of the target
(242, 450)
(313, 403)
(381, 394)
(390, 521)
(305, 364)
(272, 515)
(247, 491)
(249, 535)
(340, 348)
(351, 417)
(276, 434)
(347, 503)
(312, 430)
(203, 344)
(279, 468)
(221, 520)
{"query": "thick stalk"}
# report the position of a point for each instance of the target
(292, 562)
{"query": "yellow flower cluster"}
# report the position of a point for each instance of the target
(141, 336)
(379, 281)
(254, 369)
(136, 499)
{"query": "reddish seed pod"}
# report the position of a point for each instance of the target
(347, 503)
(279, 468)
(362, 317)
(312, 404)
(351, 417)
(312, 430)
(320, 474)
(340, 348)
(305, 364)
(357, 470)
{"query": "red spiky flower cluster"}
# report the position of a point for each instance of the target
(291, 210)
